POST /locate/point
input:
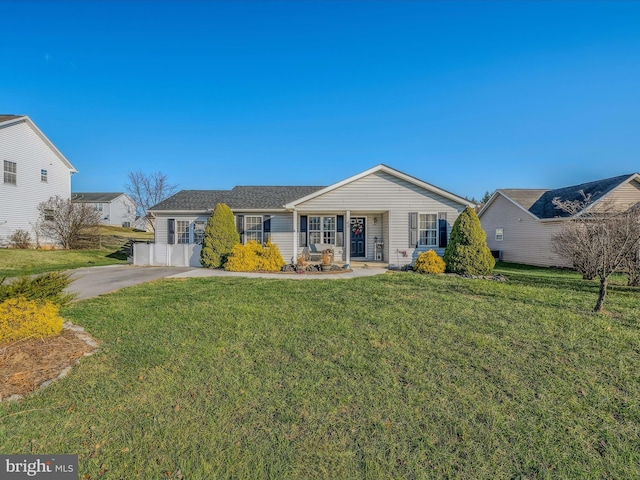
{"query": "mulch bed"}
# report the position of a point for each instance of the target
(26, 365)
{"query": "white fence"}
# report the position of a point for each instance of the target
(181, 255)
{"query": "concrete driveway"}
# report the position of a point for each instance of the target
(91, 282)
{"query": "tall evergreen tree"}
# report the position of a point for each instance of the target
(467, 252)
(220, 236)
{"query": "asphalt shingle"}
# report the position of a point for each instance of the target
(539, 202)
(239, 198)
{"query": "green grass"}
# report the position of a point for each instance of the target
(394, 376)
(28, 262)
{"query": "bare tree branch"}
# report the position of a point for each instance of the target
(63, 221)
(598, 239)
(147, 190)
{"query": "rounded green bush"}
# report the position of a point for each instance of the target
(467, 252)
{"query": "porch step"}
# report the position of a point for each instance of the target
(355, 265)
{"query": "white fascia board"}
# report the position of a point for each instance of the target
(390, 171)
(44, 138)
(634, 176)
(516, 204)
(259, 210)
(489, 202)
(179, 212)
(209, 210)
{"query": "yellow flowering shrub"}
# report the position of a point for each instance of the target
(254, 257)
(20, 318)
(429, 262)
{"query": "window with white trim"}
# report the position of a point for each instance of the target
(49, 214)
(182, 231)
(499, 234)
(44, 175)
(10, 172)
(198, 231)
(322, 230)
(253, 228)
(98, 206)
(428, 230)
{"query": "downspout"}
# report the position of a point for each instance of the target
(295, 237)
(347, 237)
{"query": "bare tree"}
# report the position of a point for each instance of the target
(598, 241)
(147, 190)
(64, 221)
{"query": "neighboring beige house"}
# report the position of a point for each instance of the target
(379, 215)
(116, 208)
(34, 170)
(520, 222)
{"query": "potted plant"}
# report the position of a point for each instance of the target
(326, 260)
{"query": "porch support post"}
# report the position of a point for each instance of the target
(295, 236)
(347, 236)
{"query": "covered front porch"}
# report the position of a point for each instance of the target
(350, 236)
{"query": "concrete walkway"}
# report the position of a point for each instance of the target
(91, 282)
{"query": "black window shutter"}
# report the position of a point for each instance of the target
(340, 231)
(413, 229)
(303, 230)
(171, 231)
(240, 226)
(442, 229)
(266, 227)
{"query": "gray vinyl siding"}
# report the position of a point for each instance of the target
(526, 239)
(162, 229)
(626, 195)
(281, 231)
(19, 143)
(282, 234)
(393, 199)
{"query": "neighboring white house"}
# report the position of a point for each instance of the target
(520, 222)
(380, 215)
(33, 171)
(116, 208)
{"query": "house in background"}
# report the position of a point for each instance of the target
(116, 208)
(33, 171)
(379, 215)
(520, 222)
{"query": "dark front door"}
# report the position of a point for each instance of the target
(357, 237)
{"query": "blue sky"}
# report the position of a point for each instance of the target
(469, 96)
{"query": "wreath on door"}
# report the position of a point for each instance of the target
(357, 228)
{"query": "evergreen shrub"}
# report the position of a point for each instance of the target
(21, 318)
(467, 252)
(429, 262)
(254, 257)
(46, 287)
(220, 236)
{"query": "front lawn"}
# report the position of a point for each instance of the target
(393, 376)
(15, 262)
(29, 262)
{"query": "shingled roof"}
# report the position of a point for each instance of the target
(540, 202)
(238, 198)
(95, 197)
(5, 117)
